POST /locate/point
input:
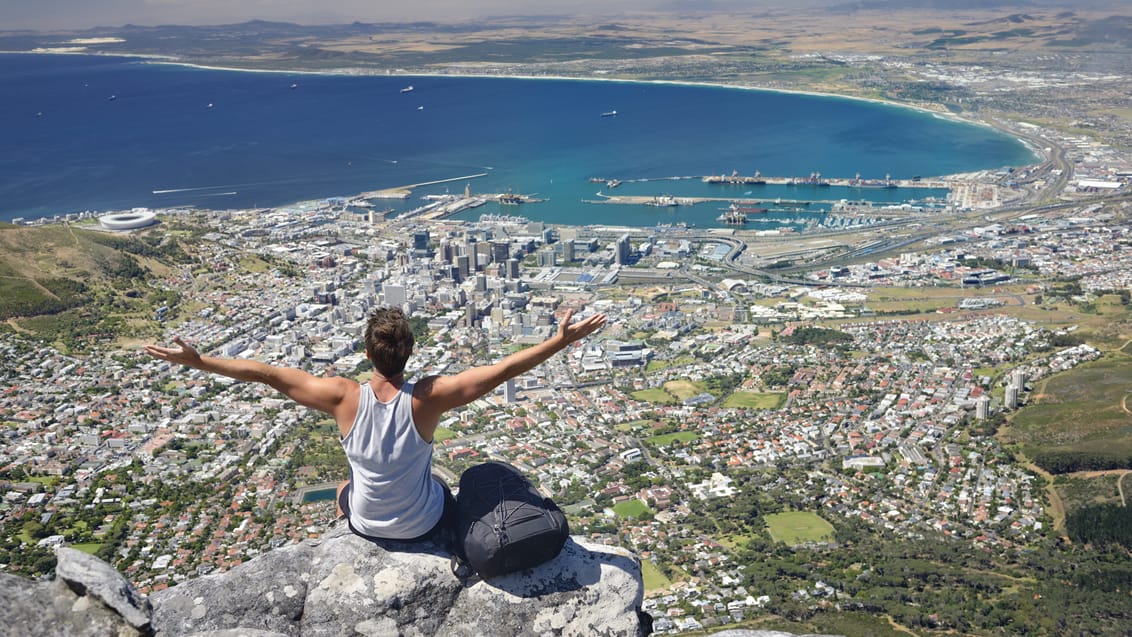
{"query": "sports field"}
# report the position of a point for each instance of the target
(666, 439)
(631, 509)
(753, 400)
(798, 527)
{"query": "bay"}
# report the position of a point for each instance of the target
(109, 133)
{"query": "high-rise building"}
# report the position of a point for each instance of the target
(420, 240)
(1018, 378)
(464, 265)
(500, 251)
(547, 258)
(568, 251)
(624, 247)
(512, 269)
(982, 407)
(509, 393)
(394, 295)
(1011, 399)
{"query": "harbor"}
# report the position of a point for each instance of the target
(732, 201)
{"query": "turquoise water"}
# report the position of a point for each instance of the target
(320, 495)
(99, 133)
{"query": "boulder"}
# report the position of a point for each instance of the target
(343, 584)
(88, 598)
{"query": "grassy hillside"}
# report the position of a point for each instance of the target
(1078, 420)
(77, 287)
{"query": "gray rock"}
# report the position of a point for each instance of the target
(586, 590)
(360, 587)
(88, 575)
(266, 593)
(347, 585)
(763, 633)
(238, 632)
(52, 609)
(340, 585)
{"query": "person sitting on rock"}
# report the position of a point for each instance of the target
(387, 424)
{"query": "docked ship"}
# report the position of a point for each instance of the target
(663, 201)
(736, 215)
(748, 208)
(511, 199)
(733, 218)
(735, 178)
(815, 179)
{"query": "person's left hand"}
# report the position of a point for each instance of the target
(184, 353)
(571, 332)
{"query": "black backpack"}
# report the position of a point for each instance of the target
(504, 524)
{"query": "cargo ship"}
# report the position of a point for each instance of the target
(735, 178)
(747, 208)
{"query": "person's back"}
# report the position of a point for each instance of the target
(391, 491)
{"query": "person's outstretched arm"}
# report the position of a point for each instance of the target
(437, 394)
(323, 394)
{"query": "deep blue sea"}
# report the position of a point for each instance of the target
(108, 133)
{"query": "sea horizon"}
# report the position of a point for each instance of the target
(965, 145)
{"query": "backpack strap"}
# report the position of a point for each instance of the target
(463, 571)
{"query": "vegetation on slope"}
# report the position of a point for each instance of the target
(80, 287)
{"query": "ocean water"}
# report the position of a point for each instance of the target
(105, 133)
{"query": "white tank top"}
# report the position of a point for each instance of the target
(392, 493)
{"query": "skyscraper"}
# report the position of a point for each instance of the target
(982, 407)
(624, 248)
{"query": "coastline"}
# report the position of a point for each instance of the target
(133, 59)
(361, 72)
(152, 58)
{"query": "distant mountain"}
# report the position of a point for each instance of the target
(951, 5)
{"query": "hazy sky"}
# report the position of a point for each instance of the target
(48, 14)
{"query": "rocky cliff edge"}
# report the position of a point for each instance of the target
(338, 585)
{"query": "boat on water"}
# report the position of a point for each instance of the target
(294, 86)
(663, 201)
(407, 89)
(609, 114)
(736, 179)
(511, 198)
(733, 217)
(748, 208)
(613, 183)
